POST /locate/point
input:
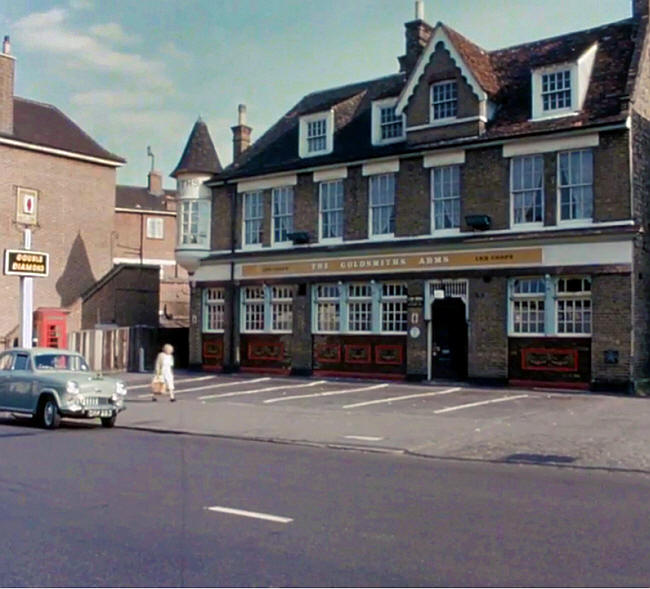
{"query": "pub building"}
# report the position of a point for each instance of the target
(478, 215)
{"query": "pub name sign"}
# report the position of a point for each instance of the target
(26, 263)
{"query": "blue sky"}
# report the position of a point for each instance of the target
(134, 73)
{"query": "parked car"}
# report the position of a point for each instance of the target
(49, 383)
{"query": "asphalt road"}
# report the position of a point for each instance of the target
(84, 506)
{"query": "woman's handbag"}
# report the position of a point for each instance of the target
(157, 385)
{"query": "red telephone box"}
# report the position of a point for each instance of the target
(50, 327)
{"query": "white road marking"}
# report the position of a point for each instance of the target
(326, 394)
(365, 438)
(499, 400)
(214, 386)
(267, 389)
(254, 514)
(402, 398)
(148, 384)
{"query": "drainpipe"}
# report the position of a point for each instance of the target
(233, 303)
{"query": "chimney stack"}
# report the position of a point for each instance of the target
(7, 71)
(418, 34)
(155, 183)
(241, 134)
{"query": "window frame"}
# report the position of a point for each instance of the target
(438, 169)
(581, 296)
(560, 186)
(216, 303)
(257, 219)
(537, 75)
(288, 193)
(303, 133)
(191, 210)
(339, 192)
(513, 194)
(377, 126)
(452, 83)
(155, 228)
(373, 180)
(266, 306)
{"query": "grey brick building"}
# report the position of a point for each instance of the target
(478, 215)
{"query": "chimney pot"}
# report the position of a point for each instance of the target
(241, 133)
(419, 9)
(241, 117)
(6, 45)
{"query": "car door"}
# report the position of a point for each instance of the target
(6, 363)
(20, 383)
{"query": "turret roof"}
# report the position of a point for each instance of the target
(199, 154)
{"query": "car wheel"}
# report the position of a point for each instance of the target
(109, 421)
(48, 416)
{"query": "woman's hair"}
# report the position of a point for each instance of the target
(168, 349)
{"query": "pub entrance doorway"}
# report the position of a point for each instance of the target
(448, 339)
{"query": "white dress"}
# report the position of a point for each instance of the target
(167, 373)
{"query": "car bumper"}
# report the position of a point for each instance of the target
(90, 413)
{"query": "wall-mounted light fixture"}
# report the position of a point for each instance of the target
(478, 222)
(299, 237)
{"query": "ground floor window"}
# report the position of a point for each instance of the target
(213, 309)
(360, 307)
(550, 306)
(266, 308)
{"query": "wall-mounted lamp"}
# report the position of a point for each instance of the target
(478, 222)
(299, 237)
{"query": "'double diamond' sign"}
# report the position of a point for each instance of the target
(26, 263)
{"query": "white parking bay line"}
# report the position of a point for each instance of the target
(365, 438)
(215, 386)
(148, 384)
(326, 394)
(254, 514)
(267, 389)
(402, 398)
(467, 405)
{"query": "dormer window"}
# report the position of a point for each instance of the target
(556, 90)
(316, 134)
(387, 125)
(560, 89)
(444, 100)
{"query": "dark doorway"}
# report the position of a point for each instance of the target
(449, 339)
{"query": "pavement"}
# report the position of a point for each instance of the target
(505, 425)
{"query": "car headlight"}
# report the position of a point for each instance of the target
(120, 388)
(72, 387)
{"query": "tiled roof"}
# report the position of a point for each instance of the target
(505, 75)
(138, 197)
(45, 125)
(199, 154)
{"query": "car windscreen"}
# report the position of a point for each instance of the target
(53, 361)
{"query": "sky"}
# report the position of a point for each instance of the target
(138, 73)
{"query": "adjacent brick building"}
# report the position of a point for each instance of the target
(479, 214)
(70, 179)
(145, 233)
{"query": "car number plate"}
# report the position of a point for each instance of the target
(102, 413)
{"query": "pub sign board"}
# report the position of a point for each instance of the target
(26, 263)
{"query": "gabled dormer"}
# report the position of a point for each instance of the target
(560, 89)
(448, 93)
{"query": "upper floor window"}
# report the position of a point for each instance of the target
(253, 218)
(155, 228)
(382, 204)
(331, 209)
(316, 132)
(213, 309)
(527, 189)
(282, 213)
(556, 90)
(194, 222)
(387, 125)
(445, 183)
(575, 184)
(444, 100)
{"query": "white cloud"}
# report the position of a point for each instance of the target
(113, 32)
(48, 31)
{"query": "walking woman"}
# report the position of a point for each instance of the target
(164, 370)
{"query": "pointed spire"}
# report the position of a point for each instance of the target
(199, 154)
